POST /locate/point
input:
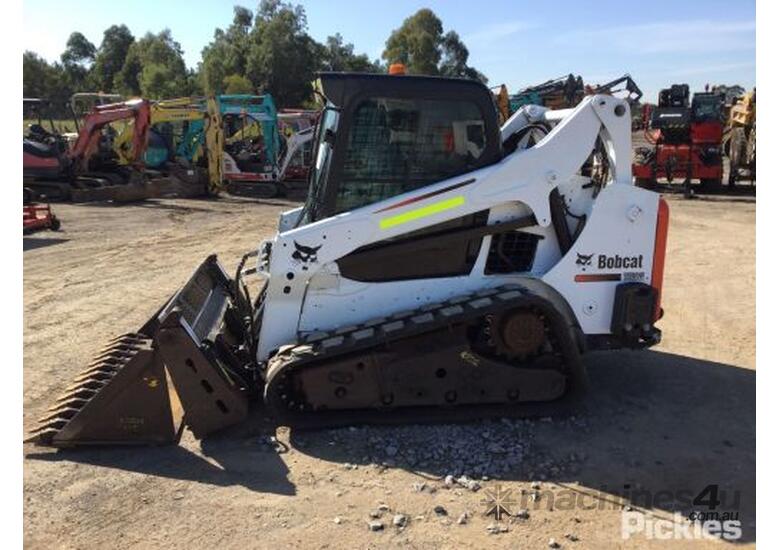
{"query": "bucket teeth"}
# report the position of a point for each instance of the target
(51, 425)
(83, 394)
(42, 435)
(97, 373)
(87, 384)
(64, 413)
(69, 403)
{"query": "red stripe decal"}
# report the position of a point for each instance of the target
(596, 277)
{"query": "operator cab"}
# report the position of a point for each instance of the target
(707, 107)
(383, 135)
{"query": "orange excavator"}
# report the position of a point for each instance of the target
(88, 170)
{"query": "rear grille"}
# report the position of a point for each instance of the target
(511, 252)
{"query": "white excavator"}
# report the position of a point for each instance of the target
(440, 264)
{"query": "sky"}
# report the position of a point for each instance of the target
(517, 43)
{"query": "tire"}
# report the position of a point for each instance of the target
(738, 149)
(55, 223)
(751, 153)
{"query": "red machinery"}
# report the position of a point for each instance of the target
(686, 139)
(38, 216)
(55, 170)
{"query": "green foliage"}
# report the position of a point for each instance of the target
(416, 43)
(419, 43)
(154, 68)
(269, 51)
(76, 60)
(226, 54)
(78, 50)
(237, 84)
(455, 59)
(338, 56)
(282, 57)
(44, 80)
(111, 55)
(38, 77)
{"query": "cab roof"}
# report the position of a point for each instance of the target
(341, 88)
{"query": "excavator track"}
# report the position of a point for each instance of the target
(436, 363)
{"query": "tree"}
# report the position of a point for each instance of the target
(37, 75)
(419, 43)
(227, 53)
(111, 55)
(282, 56)
(456, 56)
(77, 61)
(416, 43)
(339, 56)
(78, 50)
(237, 84)
(154, 68)
(45, 80)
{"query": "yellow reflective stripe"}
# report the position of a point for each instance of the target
(423, 212)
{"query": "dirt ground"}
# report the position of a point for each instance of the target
(678, 417)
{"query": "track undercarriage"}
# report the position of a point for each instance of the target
(496, 348)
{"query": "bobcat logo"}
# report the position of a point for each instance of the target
(583, 259)
(305, 254)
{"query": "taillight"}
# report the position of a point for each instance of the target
(659, 253)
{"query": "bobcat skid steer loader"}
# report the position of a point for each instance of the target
(440, 264)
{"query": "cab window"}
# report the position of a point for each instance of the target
(398, 145)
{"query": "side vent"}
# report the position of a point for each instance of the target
(511, 252)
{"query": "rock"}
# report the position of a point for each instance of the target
(553, 544)
(463, 519)
(468, 483)
(375, 525)
(572, 537)
(375, 514)
(536, 485)
(400, 520)
(337, 520)
(178, 496)
(383, 508)
(419, 486)
(495, 528)
(440, 510)
(523, 513)
(449, 481)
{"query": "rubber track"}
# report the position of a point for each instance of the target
(321, 346)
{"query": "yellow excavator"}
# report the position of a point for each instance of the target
(182, 175)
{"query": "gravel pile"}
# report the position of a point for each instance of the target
(462, 454)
